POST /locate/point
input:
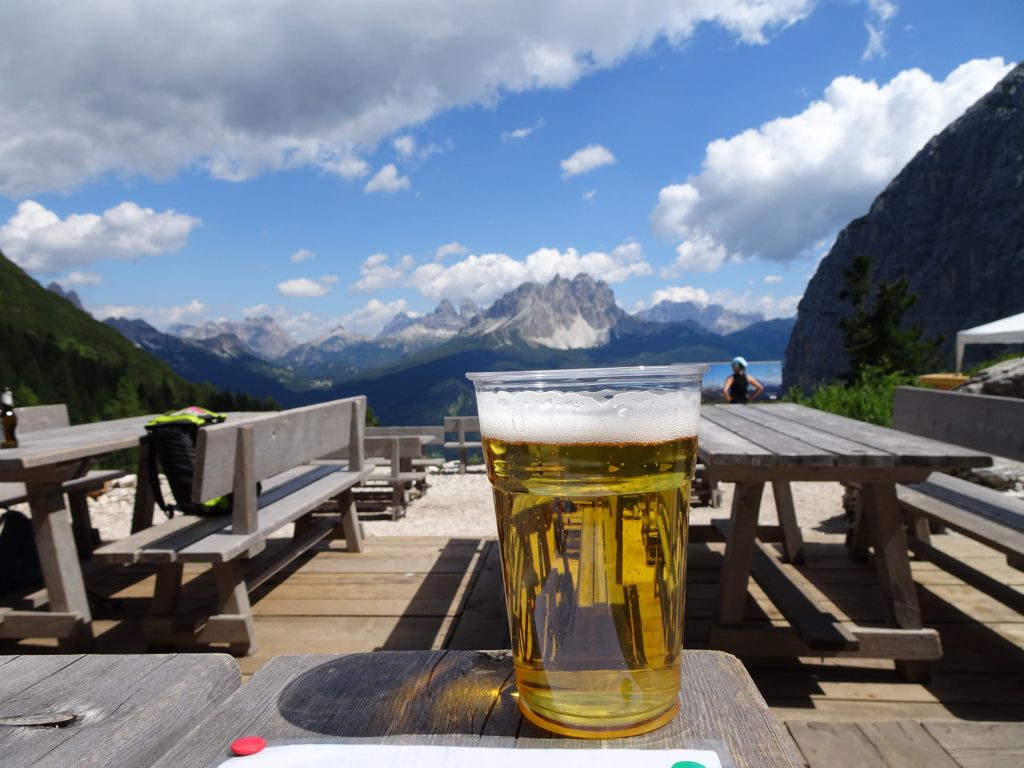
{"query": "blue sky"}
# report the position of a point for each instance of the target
(329, 163)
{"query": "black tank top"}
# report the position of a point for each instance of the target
(738, 388)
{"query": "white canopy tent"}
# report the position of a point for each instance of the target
(1006, 331)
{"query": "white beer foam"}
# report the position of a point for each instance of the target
(589, 417)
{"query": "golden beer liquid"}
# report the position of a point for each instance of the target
(593, 540)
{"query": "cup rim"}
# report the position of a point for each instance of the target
(613, 375)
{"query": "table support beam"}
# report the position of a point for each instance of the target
(792, 540)
(885, 525)
(739, 551)
(58, 557)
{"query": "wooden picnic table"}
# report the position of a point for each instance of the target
(751, 445)
(465, 698)
(43, 460)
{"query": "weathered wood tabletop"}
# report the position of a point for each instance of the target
(465, 698)
(751, 445)
(98, 710)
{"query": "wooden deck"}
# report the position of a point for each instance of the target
(429, 593)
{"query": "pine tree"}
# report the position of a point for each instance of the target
(874, 335)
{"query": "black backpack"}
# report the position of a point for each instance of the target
(19, 560)
(172, 440)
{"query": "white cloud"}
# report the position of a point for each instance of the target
(778, 190)
(768, 305)
(404, 145)
(303, 254)
(81, 278)
(453, 248)
(483, 278)
(679, 293)
(584, 160)
(375, 315)
(38, 240)
(159, 317)
(304, 287)
(879, 14)
(521, 133)
(590, 195)
(378, 273)
(388, 179)
(770, 279)
(334, 80)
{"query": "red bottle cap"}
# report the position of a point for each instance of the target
(248, 745)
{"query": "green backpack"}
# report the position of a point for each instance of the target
(172, 439)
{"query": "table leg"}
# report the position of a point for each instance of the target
(859, 536)
(739, 551)
(58, 557)
(892, 561)
(145, 502)
(792, 540)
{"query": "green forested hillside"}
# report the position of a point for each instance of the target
(52, 352)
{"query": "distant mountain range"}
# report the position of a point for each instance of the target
(54, 352)
(413, 371)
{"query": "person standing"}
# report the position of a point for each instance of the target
(738, 386)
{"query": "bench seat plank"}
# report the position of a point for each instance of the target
(986, 502)
(15, 493)
(995, 534)
(223, 545)
(467, 444)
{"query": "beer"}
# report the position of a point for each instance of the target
(9, 420)
(593, 537)
(591, 493)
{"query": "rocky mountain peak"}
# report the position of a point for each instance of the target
(714, 317)
(443, 323)
(951, 223)
(261, 336)
(563, 314)
(69, 295)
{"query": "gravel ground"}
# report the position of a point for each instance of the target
(461, 505)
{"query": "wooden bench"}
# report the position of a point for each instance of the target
(279, 452)
(39, 417)
(417, 462)
(460, 426)
(982, 422)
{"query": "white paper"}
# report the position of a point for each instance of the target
(408, 756)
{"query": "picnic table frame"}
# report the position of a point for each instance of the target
(779, 443)
(44, 460)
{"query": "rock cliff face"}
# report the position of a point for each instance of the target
(951, 222)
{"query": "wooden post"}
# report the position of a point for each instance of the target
(350, 522)
(792, 540)
(168, 589)
(234, 600)
(58, 559)
(142, 514)
(881, 507)
(357, 430)
(463, 453)
(739, 551)
(860, 535)
(243, 497)
(81, 524)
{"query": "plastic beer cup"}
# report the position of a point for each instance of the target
(591, 472)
